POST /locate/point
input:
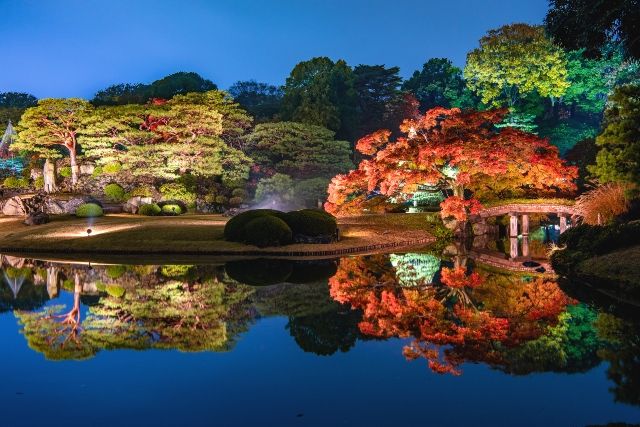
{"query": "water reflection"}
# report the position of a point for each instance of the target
(449, 309)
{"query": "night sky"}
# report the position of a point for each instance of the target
(64, 48)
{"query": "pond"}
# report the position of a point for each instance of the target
(385, 339)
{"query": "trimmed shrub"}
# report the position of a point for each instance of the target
(15, 183)
(97, 171)
(234, 229)
(39, 183)
(221, 200)
(177, 191)
(89, 210)
(171, 210)
(115, 271)
(266, 231)
(115, 291)
(112, 168)
(150, 209)
(183, 206)
(114, 192)
(65, 171)
(142, 191)
(311, 223)
(239, 192)
(235, 201)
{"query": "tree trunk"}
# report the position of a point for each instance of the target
(74, 167)
(49, 176)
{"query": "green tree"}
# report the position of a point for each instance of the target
(164, 88)
(439, 84)
(12, 105)
(618, 158)
(321, 92)
(277, 189)
(377, 88)
(261, 100)
(52, 125)
(299, 150)
(514, 61)
(577, 24)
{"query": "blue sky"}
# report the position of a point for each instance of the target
(64, 48)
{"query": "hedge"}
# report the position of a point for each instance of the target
(150, 209)
(266, 231)
(89, 210)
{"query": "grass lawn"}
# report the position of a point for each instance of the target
(621, 267)
(189, 234)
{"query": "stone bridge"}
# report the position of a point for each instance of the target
(519, 215)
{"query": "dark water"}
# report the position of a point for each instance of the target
(380, 340)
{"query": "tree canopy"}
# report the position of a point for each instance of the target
(260, 100)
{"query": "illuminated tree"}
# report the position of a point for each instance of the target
(457, 151)
(51, 126)
(514, 61)
(619, 156)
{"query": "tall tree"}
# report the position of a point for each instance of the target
(514, 61)
(261, 100)
(12, 105)
(164, 88)
(376, 89)
(52, 125)
(321, 92)
(439, 84)
(591, 24)
(619, 156)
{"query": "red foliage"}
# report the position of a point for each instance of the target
(456, 150)
(459, 208)
(458, 278)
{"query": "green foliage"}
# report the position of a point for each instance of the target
(278, 188)
(114, 192)
(143, 191)
(377, 92)
(89, 210)
(565, 135)
(235, 201)
(259, 272)
(150, 209)
(439, 84)
(112, 168)
(115, 271)
(321, 92)
(311, 223)
(234, 229)
(514, 61)
(221, 200)
(261, 100)
(299, 150)
(165, 88)
(266, 231)
(178, 191)
(39, 183)
(115, 291)
(171, 210)
(311, 189)
(618, 159)
(65, 172)
(97, 171)
(175, 271)
(15, 183)
(239, 192)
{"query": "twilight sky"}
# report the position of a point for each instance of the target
(64, 48)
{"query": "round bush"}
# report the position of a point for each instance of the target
(142, 191)
(112, 168)
(235, 201)
(266, 231)
(65, 172)
(150, 209)
(171, 210)
(13, 182)
(239, 192)
(97, 171)
(311, 223)
(89, 210)
(259, 272)
(183, 206)
(234, 229)
(115, 291)
(114, 192)
(177, 191)
(39, 183)
(221, 200)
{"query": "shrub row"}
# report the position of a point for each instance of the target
(268, 227)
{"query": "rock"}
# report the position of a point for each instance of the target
(70, 206)
(480, 228)
(14, 207)
(36, 218)
(480, 242)
(54, 207)
(450, 223)
(133, 204)
(87, 169)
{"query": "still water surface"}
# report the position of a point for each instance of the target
(379, 340)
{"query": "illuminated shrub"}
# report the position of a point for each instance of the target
(39, 183)
(114, 192)
(65, 172)
(116, 291)
(177, 191)
(171, 210)
(266, 231)
(234, 230)
(97, 171)
(311, 223)
(221, 200)
(16, 183)
(142, 191)
(150, 209)
(183, 206)
(115, 271)
(112, 168)
(89, 210)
